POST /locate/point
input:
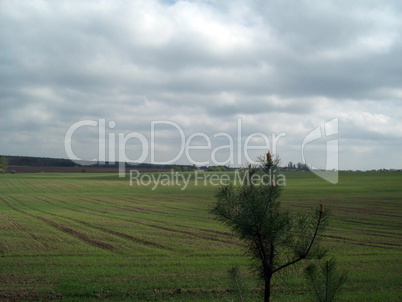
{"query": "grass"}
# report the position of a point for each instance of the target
(93, 236)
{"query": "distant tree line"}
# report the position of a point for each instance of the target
(218, 168)
(62, 162)
(296, 167)
(39, 161)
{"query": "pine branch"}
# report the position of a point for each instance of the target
(304, 255)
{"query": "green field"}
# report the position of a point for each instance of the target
(94, 237)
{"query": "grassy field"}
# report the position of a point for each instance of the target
(91, 237)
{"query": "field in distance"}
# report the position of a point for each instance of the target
(85, 237)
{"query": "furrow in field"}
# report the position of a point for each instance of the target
(371, 244)
(153, 223)
(141, 210)
(175, 230)
(181, 204)
(50, 185)
(11, 187)
(67, 205)
(230, 241)
(31, 186)
(197, 234)
(103, 229)
(79, 235)
(39, 240)
(369, 223)
(62, 186)
(11, 224)
(132, 208)
(5, 185)
(127, 236)
(21, 232)
(67, 230)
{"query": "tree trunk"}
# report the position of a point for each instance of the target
(267, 294)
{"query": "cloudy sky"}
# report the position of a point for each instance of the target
(229, 73)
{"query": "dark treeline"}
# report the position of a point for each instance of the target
(296, 167)
(62, 162)
(39, 161)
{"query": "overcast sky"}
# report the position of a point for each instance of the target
(279, 68)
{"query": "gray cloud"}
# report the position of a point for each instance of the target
(279, 66)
